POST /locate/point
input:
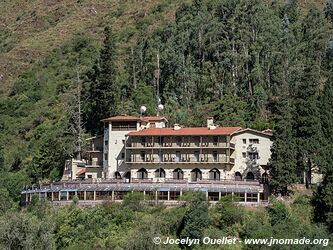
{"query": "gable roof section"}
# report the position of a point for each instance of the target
(246, 130)
(185, 131)
(154, 118)
(121, 118)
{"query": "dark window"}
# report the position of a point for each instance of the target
(254, 141)
(117, 175)
(215, 155)
(196, 174)
(215, 140)
(244, 154)
(122, 155)
(142, 174)
(244, 141)
(143, 155)
(160, 173)
(178, 174)
(178, 156)
(238, 176)
(106, 156)
(196, 155)
(123, 126)
(253, 155)
(143, 141)
(214, 174)
(250, 176)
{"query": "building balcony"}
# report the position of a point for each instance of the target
(173, 145)
(183, 161)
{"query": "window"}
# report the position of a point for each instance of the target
(178, 156)
(122, 155)
(196, 174)
(254, 141)
(253, 155)
(89, 176)
(115, 142)
(106, 156)
(214, 174)
(179, 140)
(160, 173)
(123, 126)
(215, 140)
(238, 176)
(244, 154)
(250, 176)
(215, 155)
(143, 155)
(196, 155)
(143, 141)
(244, 141)
(142, 174)
(106, 143)
(178, 174)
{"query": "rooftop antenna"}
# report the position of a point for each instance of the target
(157, 77)
(79, 118)
(142, 110)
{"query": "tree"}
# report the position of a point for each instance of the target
(323, 198)
(329, 10)
(102, 91)
(2, 159)
(307, 123)
(196, 217)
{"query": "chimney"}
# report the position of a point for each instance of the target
(176, 126)
(210, 121)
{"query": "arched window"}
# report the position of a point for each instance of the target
(160, 173)
(178, 174)
(196, 174)
(250, 176)
(238, 176)
(214, 174)
(264, 178)
(142, 174)
(117, 175)
(127, 176)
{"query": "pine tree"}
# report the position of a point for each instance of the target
(2, 159)
(103, 92)
(306, 93)
(329, 10)
(323, 197)
(283, 158)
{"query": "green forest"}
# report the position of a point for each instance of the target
(250, 63)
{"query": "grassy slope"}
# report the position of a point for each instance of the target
(31, 29)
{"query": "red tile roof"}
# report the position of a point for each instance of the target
(153, 118)
(265, 132)
(134, 118)
(81, 171)
(186, 131)
(121, 118)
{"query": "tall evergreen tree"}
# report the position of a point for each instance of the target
(2, 159)
(283, 158)
(323, 197)
(329, 10)
(307, 123)
(102, 92)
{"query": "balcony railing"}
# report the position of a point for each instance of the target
(188, 160)
(180, 145)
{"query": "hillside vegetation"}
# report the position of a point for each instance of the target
(249, 63)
